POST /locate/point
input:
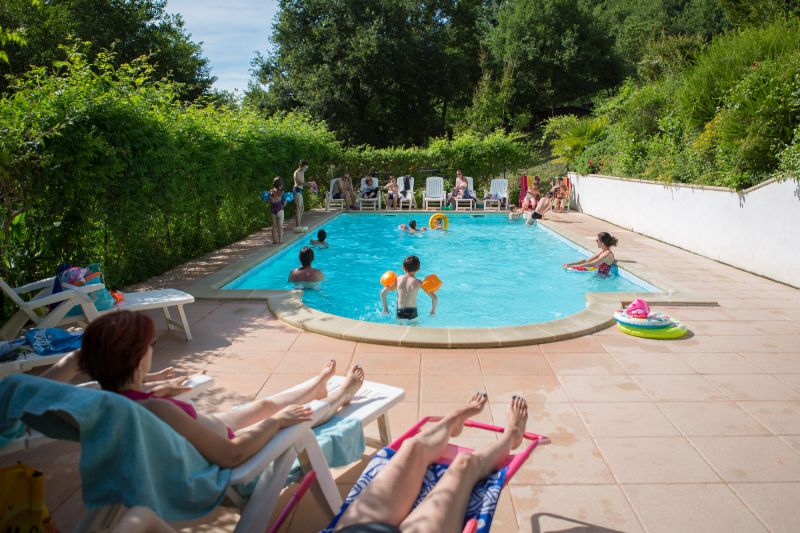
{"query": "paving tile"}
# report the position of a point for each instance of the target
(450, 364)
(589, 508)
(776, 362)
(535, 389)
(717, 327)
(653, 363)
(388, 363)
(580, 344)
(750, 458)
(259, 341)
(755, 315)
(782, 418)
(228, 361)
(385, 348)
(763, 343)
(545, 418)
(753, 387)
(792, 380)
(627, 419)
(622, 343)
(312, 362)
(720, 363)
(311, 342)
(444, 389)
(679, 388)
(793, 441)
(498, 364)
(67, 515)
(654, 460)
(584, 363)
(602, 389)
(690, 508)
(711, 418)
(700, 344)
(769, 502)
(566, 460)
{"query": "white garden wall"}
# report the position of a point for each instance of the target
(757, 230)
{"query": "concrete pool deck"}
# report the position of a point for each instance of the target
(288, 306)
(697, 434)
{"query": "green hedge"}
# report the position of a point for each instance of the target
(99, 164)
(730, 117)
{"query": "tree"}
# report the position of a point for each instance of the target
(131, 27)
(378, 72)
(560, 52)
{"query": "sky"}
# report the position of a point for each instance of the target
(231, 32)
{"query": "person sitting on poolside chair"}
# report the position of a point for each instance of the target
(386, 505)
(370, 188)
(305, 275)
(117, 351)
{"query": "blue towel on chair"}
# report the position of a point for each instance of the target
(341, 440)
(128, 455)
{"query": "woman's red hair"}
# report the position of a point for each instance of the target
(113, 346)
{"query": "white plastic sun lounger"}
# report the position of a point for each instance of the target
(330, 201)
(407, 195)
(72, 296)
(434, 193)
(270, 467)
(499, 195)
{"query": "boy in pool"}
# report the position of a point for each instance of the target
(319, 242)
(411, 227)
(407, 287)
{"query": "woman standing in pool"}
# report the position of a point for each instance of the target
(299, 184)
(276, 205)
(602, 260)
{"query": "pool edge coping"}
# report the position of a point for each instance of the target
(288, 307)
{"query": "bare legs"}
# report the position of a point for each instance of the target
(256, 411)
(277, 227)
(299, 207)
(389, 498)
(391, 494)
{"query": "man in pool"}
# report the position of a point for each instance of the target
(306, 276)
(407, 287)
(319, 242)
(542, 207)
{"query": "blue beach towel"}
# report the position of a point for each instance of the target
(128, 455)
(341, 441)
(482, 501)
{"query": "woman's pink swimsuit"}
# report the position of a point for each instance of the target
(138, 396)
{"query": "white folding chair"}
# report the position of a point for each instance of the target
(407, 195)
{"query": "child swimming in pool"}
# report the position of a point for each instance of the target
(320, 242)
(407, 287)
(602, 260)
(411, 227)
(515, 213)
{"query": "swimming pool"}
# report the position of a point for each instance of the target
(495, 272)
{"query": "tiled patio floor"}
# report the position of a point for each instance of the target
(698, 434)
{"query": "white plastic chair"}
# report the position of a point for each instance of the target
(369, 203)
(330, 201)
(499, 195)
(407, 195)
(434, 193)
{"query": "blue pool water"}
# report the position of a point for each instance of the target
(495, 272)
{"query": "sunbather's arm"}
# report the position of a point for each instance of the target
(218, 449)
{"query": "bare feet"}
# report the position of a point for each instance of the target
(457, 418)
(352, 382)
(517, 420)
(321, 388)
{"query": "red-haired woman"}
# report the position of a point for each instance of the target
(117, 351)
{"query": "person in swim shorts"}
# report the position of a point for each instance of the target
(542, 207)
(299, 185)
(407, 287)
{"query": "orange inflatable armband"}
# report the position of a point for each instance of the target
(431, 283)
(388, 279)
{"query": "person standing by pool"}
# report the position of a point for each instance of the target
(407, 287)
(276, 205)
(299, 185)
(306, 275)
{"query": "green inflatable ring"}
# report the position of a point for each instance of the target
(674, 332)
